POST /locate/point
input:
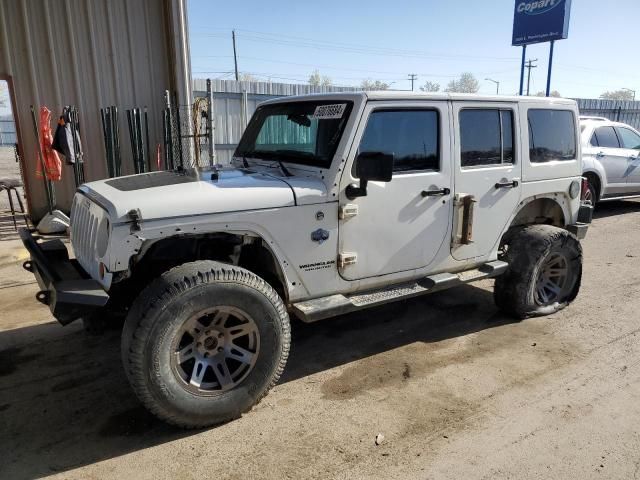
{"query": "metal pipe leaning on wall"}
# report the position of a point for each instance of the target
(111, 135)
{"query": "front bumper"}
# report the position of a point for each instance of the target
(64, 285)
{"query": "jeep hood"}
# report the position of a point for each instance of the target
(161, 195)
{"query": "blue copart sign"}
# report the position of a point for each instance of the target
(536, 21)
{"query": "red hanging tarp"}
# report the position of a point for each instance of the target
(52, 162)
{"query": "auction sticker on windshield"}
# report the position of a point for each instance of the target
(326, 112)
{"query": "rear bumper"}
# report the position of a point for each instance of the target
(585, 216)
(64, 285)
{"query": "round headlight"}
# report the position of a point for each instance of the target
(102, 240)
(574, 189)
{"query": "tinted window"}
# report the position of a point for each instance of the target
(594, 140)
(552, 135)
(607, 137)
(410, 135)
(629, 138)
(486, 137)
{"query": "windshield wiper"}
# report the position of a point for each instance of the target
(268, 155)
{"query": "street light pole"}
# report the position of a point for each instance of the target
(497, 85)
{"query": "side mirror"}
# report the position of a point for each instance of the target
(374, 166)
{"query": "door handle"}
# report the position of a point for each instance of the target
(600, 154)
(436, 193)
(633, 157)
(512, 184)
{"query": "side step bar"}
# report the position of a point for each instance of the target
(333, 305)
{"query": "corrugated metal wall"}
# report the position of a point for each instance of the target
(234, 103)
(91, 54)
(620, 111)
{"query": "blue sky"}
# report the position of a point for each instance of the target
(350, 41)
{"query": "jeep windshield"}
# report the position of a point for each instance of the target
(307, 133)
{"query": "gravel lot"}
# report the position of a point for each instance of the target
(458, 390)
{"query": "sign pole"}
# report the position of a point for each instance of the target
(524, 56)
(550, 66)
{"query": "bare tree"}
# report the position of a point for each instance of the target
(317, 80)
(553, 93)
(430, 87)
(247, 77)
(617, 95)
(369, 84)
(467, 83)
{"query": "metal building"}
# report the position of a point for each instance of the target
(91, 54)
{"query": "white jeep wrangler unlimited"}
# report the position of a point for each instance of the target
(334, 203)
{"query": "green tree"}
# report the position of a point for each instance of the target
(617, 95)
(467, 83)
(317, 80)
(430, 87)
(369, 84)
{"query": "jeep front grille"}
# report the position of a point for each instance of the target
(84, 225)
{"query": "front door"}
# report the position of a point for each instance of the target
(488, 168)
(400, 225)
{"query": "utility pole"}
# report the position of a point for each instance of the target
(529, 66)
(413, 77)
(235, 55)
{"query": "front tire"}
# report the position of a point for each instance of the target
(204, 343)
(544, 274)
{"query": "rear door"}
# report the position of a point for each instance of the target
(630, 142)
(613, 158)
(486, 166)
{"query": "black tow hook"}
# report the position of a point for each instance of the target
(43, 297)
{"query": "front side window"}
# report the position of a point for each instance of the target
(629, 138)
(298, 132)
(607, 137)
(552, 135)
(410, 135)
(486, 137)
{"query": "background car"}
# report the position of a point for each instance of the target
(611, 162)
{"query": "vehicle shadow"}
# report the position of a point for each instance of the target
(617, 207)
(65, 401)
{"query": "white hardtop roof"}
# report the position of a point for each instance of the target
(405, 95)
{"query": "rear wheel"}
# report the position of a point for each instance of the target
(204, 343)
(545, 271)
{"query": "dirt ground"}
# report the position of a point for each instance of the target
(458, 390)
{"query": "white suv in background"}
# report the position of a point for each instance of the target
(610, 159)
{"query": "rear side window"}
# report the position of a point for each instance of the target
(410, 135)
(594, 140)
(607, 137)
(629, 138)
(552, 135)
(486, 137)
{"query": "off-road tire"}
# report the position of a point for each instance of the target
(527, 249)
(163, 306)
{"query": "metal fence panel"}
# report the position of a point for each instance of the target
(617, 110)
